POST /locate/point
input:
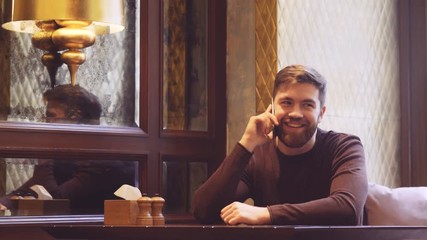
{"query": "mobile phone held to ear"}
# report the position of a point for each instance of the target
(273, 111)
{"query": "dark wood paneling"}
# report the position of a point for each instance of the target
(404, 57)
(147, 142)
(412, 37)
(205, 145)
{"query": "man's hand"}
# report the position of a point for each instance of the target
(259, 129)
(2, 207)
(237, 212)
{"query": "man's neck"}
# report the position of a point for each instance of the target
(290, 151)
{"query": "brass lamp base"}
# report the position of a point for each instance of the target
(58, 31)
(59, 35)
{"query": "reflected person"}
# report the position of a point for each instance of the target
(300, 175)
(86, 183)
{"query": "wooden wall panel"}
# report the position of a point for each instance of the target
(413, 87)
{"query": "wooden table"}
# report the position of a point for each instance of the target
(82, 229)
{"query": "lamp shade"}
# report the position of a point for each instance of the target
(107, 16)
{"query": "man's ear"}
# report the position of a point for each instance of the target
(322, 112)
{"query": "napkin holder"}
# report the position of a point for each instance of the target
(120, 212)
(35, 207)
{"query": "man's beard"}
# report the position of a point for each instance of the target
(297, 140)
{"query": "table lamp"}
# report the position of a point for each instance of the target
(63, 28)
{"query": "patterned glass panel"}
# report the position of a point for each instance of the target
(354, 44)
(266, 51)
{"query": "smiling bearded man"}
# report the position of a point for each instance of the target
(295, 174)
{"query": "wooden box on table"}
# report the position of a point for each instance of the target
(120, 212)
(31, 207)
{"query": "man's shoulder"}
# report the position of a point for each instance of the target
(331, 136)
(340, 146)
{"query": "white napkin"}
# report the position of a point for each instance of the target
(128, 192)
(42, 193)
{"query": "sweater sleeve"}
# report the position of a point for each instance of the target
(348, 192)
(223, 187)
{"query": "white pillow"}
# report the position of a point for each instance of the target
(396, 206)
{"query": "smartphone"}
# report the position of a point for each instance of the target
(273, 111)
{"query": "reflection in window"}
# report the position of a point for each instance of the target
(185, 65)
(108, 73)
(180, 181)
(76, 186)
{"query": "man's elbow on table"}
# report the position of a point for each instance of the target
(205, 217)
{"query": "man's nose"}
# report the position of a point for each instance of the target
(295, 112)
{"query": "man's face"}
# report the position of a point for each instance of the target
(298, 110)
(56, 112)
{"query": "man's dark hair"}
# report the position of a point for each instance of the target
(82, 106)
(301, 74)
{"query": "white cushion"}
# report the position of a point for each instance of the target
(396, 206)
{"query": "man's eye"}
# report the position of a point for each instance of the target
(308, 105)
(287, 103)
